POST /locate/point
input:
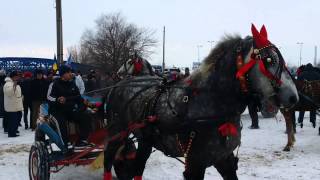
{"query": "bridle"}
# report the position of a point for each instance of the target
(261, 57)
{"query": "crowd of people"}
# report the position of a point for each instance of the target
(309, 73)
(22, 93)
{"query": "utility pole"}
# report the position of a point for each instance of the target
(59, 32)
(300, 44)
(199, 46)
(211, 44)
(315, 55)
(163, 49)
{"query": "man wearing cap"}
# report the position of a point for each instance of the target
(66, 104)
(12, 103)
(39, 88)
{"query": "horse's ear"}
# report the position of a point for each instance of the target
(263, 32)
(259, 39)
(255, 32)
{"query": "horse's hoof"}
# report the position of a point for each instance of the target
(287, 149)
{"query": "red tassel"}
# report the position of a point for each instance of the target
(138, 66)
(228, 129)
(107, 176)
(137, 178)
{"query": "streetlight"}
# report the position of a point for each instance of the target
(211, 42)
(199, 46)
(300, 44)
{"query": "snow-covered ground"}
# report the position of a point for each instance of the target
(261, 156)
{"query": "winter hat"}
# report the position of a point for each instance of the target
(27, 74)
(64, 69)
(13, 74)
(38, 71)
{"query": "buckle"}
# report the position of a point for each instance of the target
(185, 99)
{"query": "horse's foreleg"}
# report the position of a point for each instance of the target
(143, 153)
(109, 155)
(288, 116)
(228, 167)
(195, 166)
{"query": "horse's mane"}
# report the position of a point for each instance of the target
(224, 52)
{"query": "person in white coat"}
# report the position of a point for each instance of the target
(13, 104)
(79, 82)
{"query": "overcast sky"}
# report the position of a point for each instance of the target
(28, 27)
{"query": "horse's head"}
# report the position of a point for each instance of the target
(135, 67)
(268, 75)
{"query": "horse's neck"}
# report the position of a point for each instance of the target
(223, 89)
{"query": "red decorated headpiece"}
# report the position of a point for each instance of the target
(260, 38)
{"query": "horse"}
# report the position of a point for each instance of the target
(197, 118)
(309, 100)
(135, 66)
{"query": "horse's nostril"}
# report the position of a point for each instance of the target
(293, 99)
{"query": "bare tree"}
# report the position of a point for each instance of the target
(112, 42)
(73, 52)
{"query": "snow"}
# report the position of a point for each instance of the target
(261, 156)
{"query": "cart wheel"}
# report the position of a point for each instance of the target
(123, 167)
(38, 162)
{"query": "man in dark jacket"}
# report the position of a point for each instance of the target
(66, 104)
(2, 77)
(27, 100)
(254, 107)
(309, 73)
(39, 88)
(2, 112)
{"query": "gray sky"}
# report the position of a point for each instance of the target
(27, 27)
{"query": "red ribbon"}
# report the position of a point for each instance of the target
(244, 69)
(228, 129)
(267, 73)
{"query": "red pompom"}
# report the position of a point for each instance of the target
(137, 178)
(228, 129)
(138, 66)
(107, 176)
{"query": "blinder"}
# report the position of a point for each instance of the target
(262, 57)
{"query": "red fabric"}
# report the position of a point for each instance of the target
(27, 74)
(298, 71)
(244, 69)
(260, 38)
(137, 66)
(137, 178)
(98, 104)
(228, 129)
(188, 81)
(98, 136)
(267, 73)
(107, 176)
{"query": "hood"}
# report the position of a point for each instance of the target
(8, 79)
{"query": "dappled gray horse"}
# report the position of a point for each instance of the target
(199, 117)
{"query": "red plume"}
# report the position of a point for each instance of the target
(263, 32)
(260, 39)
